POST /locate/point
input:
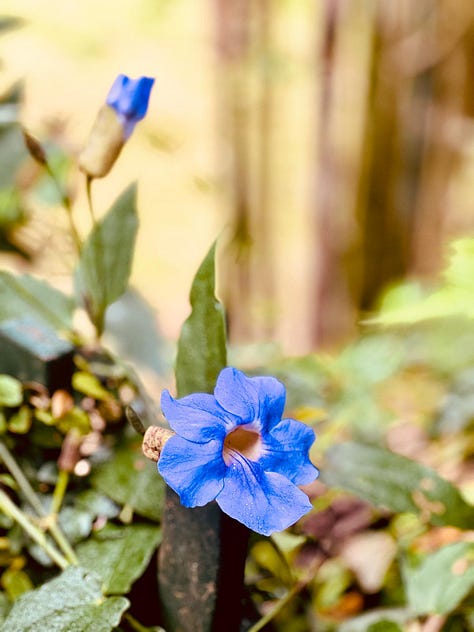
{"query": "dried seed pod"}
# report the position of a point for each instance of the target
(154, 440)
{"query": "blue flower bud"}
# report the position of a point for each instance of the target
(126, 104)
(129, 98)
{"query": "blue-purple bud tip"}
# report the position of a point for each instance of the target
(129, 98)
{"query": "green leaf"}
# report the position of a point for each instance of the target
(89, 385)
(72, 602)
(364, 622)
(442, 580)
(20, 295)
(202, 343)
(384, 626)
(16, 582)
(20, 422)
(11, 391)
(408, 304)
(393, 481)
(131, 479)
(119, 555)
(106, 258)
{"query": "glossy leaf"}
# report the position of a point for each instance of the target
(119, 555)
(15, 582)
(72, 602)
(89, 384)
(442, 580)
(397, 483)
(20, 295)
(11, 391)
(202, 343)
(20, 422)
(128, 478)
(106, 258)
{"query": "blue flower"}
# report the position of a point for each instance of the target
(129, 98)
(235, 448)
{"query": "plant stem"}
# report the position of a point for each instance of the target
(11, 510)
(136, 625)
(89, 198)
(61, 541)
(261, 623)
(66, 202)
(59, 491)
(23, 483)
(30, 495)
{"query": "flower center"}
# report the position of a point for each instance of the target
(248, 443)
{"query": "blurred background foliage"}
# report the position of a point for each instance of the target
(330, 142)
(331, 145)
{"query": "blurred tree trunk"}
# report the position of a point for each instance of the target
(264, 252)
(332, 304)
(418, 103)
(389, 171)
(446, 45)
(243, 48)
(233, 43)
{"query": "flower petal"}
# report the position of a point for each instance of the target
(264, 502)
(252, 399)
(129, 97)
(194, 470)
(197, 417)
(285, 450)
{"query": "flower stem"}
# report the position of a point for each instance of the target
(136, 625)
(261, 623)
(89, 198)
(59, 491)
(66, 202)
(30, 495)
(61, 541)
(23, 483)
(10, 509)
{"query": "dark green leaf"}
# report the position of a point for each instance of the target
(106, 259)
(131, 479)
(119, 556)
(202, 343)
(73, 602)
(442, 580)
(20, 295)
(393, 481)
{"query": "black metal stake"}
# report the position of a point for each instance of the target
(201, 568)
